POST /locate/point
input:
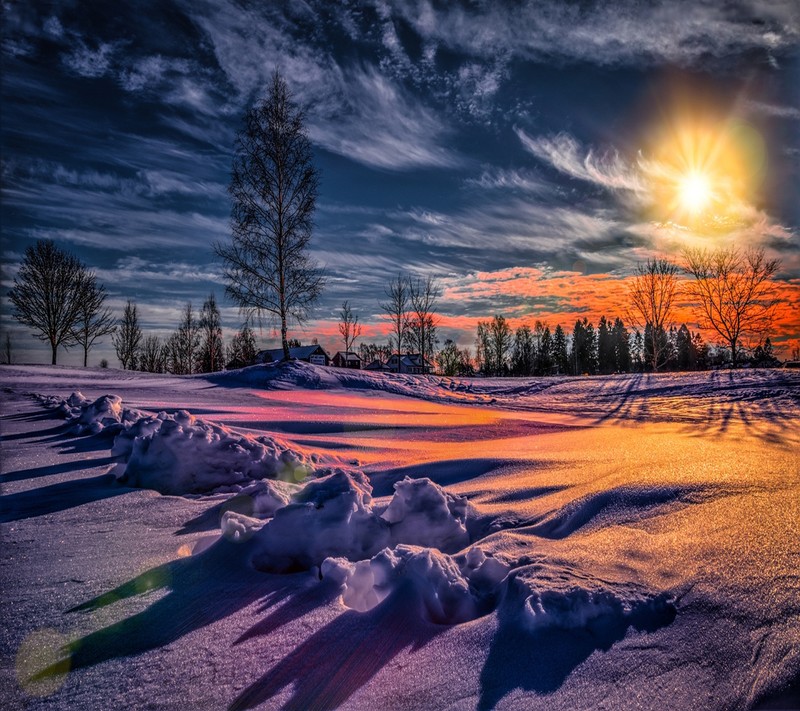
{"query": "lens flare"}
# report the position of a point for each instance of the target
(703, 167)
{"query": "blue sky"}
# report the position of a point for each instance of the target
(506, 147)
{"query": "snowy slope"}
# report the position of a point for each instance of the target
(364, 540)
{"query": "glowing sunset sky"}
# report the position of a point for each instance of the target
(527, 153)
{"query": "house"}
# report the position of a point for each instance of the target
(310, 354)
(409, 363)
(379, 366)
(347, 359)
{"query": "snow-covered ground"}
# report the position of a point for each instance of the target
(300, 537)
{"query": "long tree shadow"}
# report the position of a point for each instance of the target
(720, 405)
(539, 660)
(339, 659)
(202, 589)
(58, 497)
(49, 470)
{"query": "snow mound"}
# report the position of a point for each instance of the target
(424, 514)
(92, 417)
(334, 516)
(180, 454)
(442, 587)
(296, 374)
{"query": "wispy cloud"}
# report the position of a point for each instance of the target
(564, 153)
(778, 111)
(681, 32)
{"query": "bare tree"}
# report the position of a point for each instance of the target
(152, 355)
(93, 319)
(732, 292)
(7, 350)
(46, 293)
(273, 190)
(423, 294)
(349, 326)
(128, 337)
(184, 344)
(396, 309)
(652, 293)
(211, 349)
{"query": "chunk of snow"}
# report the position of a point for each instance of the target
(422, 513)
(442, 587)
(238, 527)
(180, 454)
(334, 516)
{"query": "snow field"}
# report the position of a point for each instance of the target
(305, 519)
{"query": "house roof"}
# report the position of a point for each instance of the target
(299, 352)
(347, 355)
(409, 360)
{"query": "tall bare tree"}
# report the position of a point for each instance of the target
(732, 291)
(46, 294)
(128, 337)
(93, 320)
(273, 190)
(349, 326)
(211, 350)
(423, 295)
(396, 309)
(652, 293)
(184, 345)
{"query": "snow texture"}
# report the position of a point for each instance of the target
(335, 516)
(180, 454)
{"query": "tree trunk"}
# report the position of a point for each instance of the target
(85, 356)
(734, 352)
(284, 338)
(55, 351)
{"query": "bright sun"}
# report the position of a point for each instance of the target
(694, 192)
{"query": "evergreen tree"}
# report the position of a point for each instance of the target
(242, 349)
(560, 354)
(683, 349)
(544, 353)
(621, 347)
(605, 348)
(524, 352)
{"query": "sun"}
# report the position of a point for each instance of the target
(695, 193)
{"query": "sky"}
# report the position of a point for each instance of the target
(527, 154)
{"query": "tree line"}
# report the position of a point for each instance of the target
(270, 275)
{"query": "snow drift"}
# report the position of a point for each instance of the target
(336, 516)
(180, 454)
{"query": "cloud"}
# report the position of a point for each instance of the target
(608, 170)
(504, 179)
(786, 112)
(682, 32)
(354, 110)
(88, 62)
(378, 124)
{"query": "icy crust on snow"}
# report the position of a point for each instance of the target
(92, 417)
(181, 454)
(335, 516)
